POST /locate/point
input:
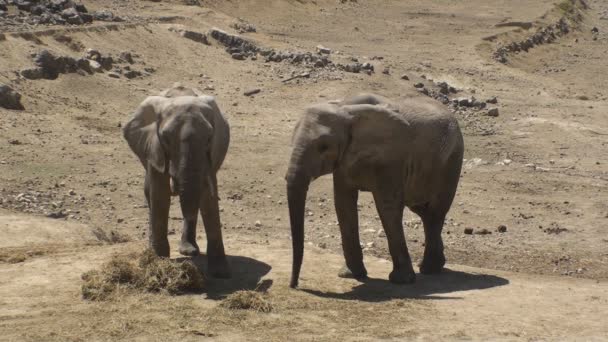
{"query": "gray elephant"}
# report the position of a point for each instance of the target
(406, 153)
(181, 138)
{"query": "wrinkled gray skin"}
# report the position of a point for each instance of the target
(406, 153)
(181, 138)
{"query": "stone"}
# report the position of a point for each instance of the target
(71, 16)
(493, 112)
(195, 36)
(252, 92)
(113, 75)
(492, 100)
(132, 74)
(95, 66)
(258, 223)
(105, 15)
(483, 232)
(502, 228)
(24, 5)
(230, 40)
(419, 85)
(386, 71)
(9, 98)
(238, 56)
(93, 54)
(323, 50)
(126, 57)
(405, 77)
(32, 73)
(468, 231)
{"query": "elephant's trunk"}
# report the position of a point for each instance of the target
(297, 188)
(190, 183)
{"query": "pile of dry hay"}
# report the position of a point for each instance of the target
(147, 273)
(247, 300)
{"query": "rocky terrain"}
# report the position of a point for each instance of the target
(526, 237)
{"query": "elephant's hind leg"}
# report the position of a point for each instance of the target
(433, 220)
(390, 208)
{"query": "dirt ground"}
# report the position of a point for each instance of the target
(539, 168)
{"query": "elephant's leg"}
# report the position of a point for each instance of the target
(389, 202)
(433, 220)
(188, 245)
(218, 263)
(159, 201)
(345, 199)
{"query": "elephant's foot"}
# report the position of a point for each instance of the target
(432, 263)
(360, 274)
(188, 248)
(219, 267)
(161, 248)
(402, 277)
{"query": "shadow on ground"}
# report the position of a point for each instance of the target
(246, 275)
(426, 287)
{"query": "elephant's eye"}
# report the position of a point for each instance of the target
(323, 147)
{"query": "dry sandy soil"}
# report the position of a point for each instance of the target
(542, 279)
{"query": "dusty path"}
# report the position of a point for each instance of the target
(462, 303)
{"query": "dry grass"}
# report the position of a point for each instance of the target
(17, 255)
(147, 273)
(247, 300)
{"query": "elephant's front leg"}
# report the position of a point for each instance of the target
(345, 198)
(389, 202)
(159, 200)
(216, 256)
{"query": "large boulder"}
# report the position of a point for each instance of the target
(9, 98)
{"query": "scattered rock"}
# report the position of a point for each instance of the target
(195, 36)
(502, 228)
(548, 34)
(243, 27)
(126, 57)
(483, 232)
(582, 97)
(493, 112)
(405, 77)
(9, 98)
(132, 74)
(258, 223)
(113, 75)
(419, 85)
(252, 92)
(105, 15)
(238, 56)
(95, 66)
(386, 71)
(468, 231)
(492, 100)
(323, 50)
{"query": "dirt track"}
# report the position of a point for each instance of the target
(552, 195)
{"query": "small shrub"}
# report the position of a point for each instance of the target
(247, 300)
(147, 273)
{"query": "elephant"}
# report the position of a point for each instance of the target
(181, 138)
(406, 153)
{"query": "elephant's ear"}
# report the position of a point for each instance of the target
(141, 133)
(376, 134)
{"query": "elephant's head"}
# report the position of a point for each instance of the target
(172, 136)
(327, 137)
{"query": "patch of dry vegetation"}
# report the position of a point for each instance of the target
(147, 273)
(247, 300)
(18, 255)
